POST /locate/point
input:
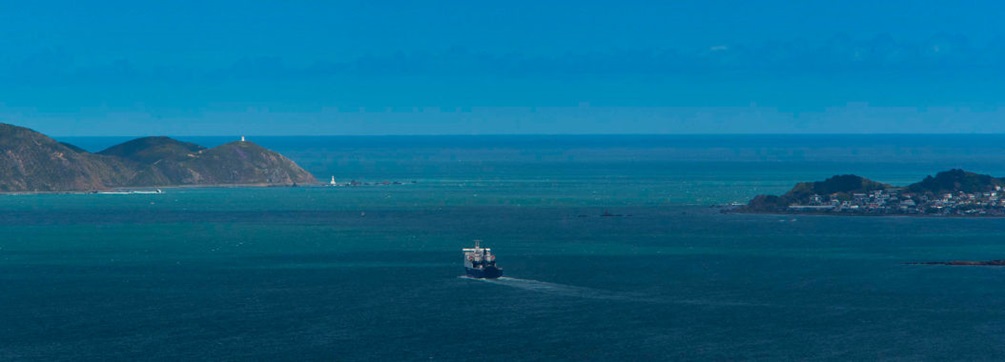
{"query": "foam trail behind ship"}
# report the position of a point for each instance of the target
(589, 293)
(558, 289)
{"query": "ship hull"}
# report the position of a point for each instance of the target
(485, 273)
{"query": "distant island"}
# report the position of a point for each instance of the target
(33, 162)
(949, 193)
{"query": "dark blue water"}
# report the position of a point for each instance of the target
(372, 273)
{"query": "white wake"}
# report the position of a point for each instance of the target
(558, 289)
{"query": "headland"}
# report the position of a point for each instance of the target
(31, 162)
(949, 193)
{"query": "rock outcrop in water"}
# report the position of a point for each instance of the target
(33, 162)
(999, 262)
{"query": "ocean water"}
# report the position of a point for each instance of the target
(374, 273)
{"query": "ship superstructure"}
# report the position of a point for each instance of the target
(480, 263)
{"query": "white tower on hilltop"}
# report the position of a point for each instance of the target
(242, 138)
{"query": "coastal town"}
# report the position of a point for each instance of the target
(949, 193)
(895, 202)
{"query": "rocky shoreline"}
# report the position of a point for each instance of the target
(952, 193)
(999, 262)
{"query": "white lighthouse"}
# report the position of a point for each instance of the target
(242, 138)
(332, 183)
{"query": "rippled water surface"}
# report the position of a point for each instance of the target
(374, 272)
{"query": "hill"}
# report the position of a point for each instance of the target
(149, 150)
(178, 163)
(952, 192)
(956, 180)
(33, 162)
(840, 187)
(245, 163)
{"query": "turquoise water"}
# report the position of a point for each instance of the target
(373, 273)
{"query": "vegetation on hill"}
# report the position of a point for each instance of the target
(842, 186)
(246, 162)
(73, 147)
(33, 162)
(30, 161)
(149, 150)
(956, 180)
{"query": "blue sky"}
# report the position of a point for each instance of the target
(469, 67)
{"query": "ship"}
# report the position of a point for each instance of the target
(480, 263)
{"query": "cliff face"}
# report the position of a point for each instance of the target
(31, 161)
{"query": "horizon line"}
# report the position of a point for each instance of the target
(544, 135)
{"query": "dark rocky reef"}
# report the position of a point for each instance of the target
(1000, 262)
(33, 162)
